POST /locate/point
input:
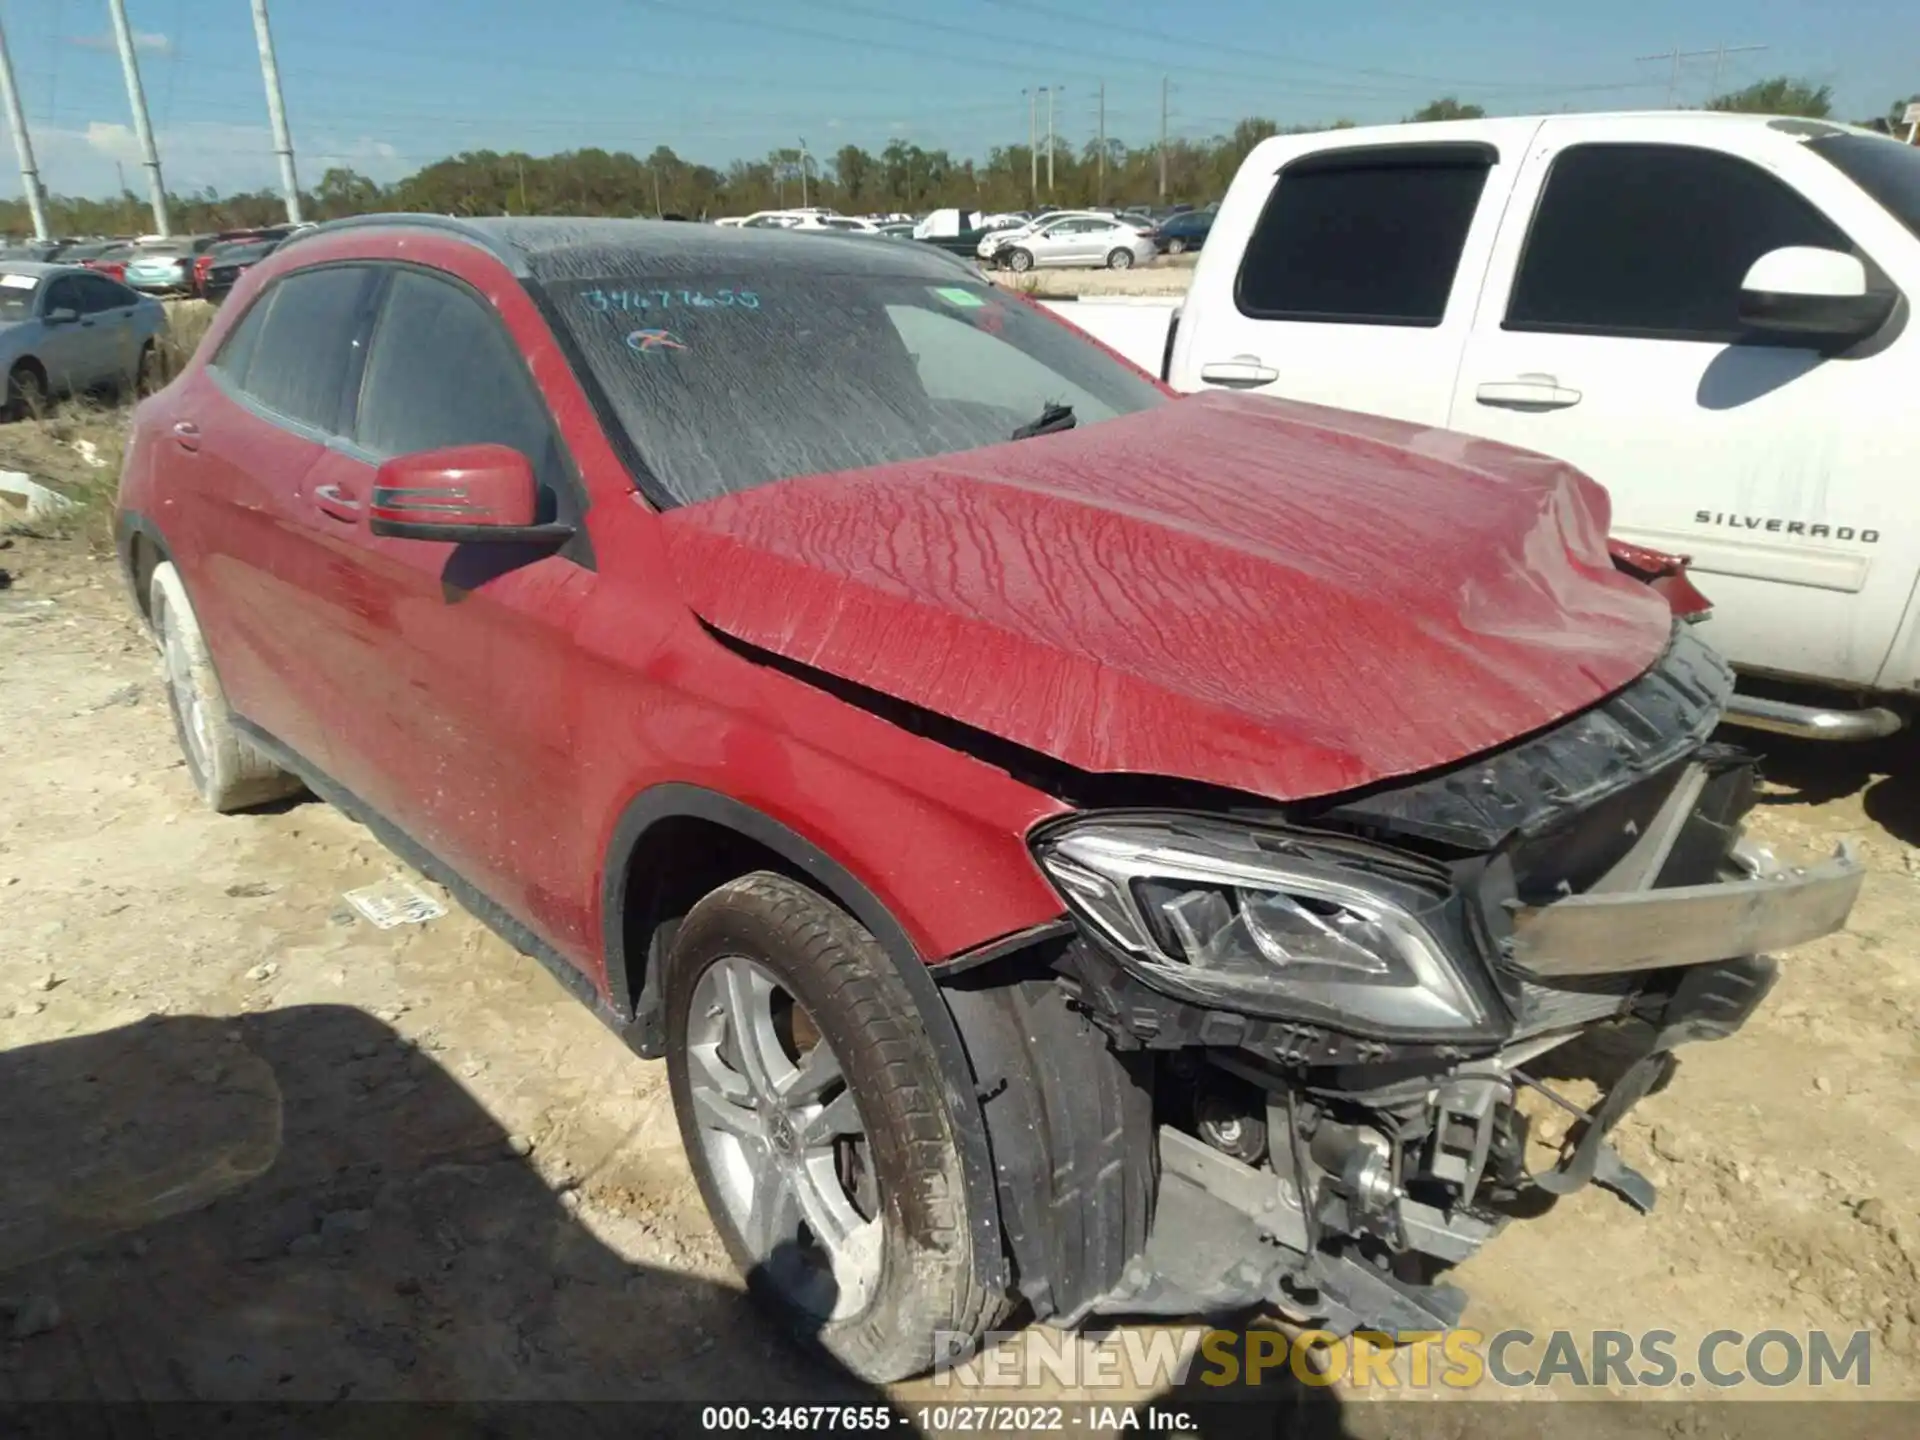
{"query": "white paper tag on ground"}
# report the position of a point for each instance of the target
(395, 902)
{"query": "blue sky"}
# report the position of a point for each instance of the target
(387, 85)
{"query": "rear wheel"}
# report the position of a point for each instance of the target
(1020, 261)
(811, 1106)
(146, 371)
(226, 768)
(1120, 259)
(1176, 246)
(26, 391)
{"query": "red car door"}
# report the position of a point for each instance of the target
(454, 659)
(240, 438)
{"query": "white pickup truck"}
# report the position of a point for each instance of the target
(1710, 314)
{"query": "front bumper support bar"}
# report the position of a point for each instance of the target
(1686, 924)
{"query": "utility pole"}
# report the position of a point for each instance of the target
(1100, 190)
(803, 172)
(1052, 90)
(520, 174)
(1676, 57)
(1163, 139)
(137, 98)
(1033, 146)
(22, 144)
(277, 116)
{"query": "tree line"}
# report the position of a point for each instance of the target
(901, 177)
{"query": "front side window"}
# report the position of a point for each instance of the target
(98, 293)
(1881, 166)
(1654, 241)
(1364, 236)
(442, 371)
(299, 361)
(726, 382)
(63, 293)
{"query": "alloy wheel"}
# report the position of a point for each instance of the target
(784, 1139)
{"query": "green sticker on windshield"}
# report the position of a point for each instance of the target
(965, 299)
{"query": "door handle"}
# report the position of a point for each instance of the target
(186, 434)
(1527, 392)
(334, 501)
(1242, 372)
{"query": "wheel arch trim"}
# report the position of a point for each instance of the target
(675, 800)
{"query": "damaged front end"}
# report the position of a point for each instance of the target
(1330, 1016)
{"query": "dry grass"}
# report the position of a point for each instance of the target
(187, 323)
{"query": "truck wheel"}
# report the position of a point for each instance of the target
(811, 1107)
(1176, 246)
(1019, 261)
(225, 767)
(1120, 260)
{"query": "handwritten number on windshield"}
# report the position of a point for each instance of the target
(629, 302)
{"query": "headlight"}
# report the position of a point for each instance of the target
(1237, 917)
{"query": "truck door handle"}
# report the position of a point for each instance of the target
(1242, 372)
(334, 501)
(1528, 392)
(186, 434)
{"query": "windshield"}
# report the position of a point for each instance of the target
(732, 381)
(16, 297)
(1884, 168)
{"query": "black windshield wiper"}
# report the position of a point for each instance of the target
(1054, 418)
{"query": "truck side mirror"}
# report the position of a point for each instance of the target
(1808, 291)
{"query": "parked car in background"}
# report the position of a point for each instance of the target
(227, 263)
(226, 241)
(1710, 314)
(1182, 940)
(1069, 239)
(65, 329)
(165, 267)
(1180, 233)
(112, 259)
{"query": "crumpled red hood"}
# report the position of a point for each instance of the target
(1288, 600)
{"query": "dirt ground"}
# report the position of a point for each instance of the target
(253, 1147)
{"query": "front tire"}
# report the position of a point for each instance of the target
(1120, 260)
(811, 1106)
(226, 768)
(1176, 246)
(1019, 261)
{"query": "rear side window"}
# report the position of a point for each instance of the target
(443, 371)
(236, 351)
(299, 362)
(63, 294)
(1369, 237)
(1654, 241)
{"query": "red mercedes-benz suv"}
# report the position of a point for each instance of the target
(1070, 844)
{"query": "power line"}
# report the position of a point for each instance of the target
(1105, 23)
(1676, 56)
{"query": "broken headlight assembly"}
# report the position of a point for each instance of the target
(1272, 923)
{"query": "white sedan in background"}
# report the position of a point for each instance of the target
(1059, 240)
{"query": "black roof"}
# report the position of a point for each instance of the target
(565, 248)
